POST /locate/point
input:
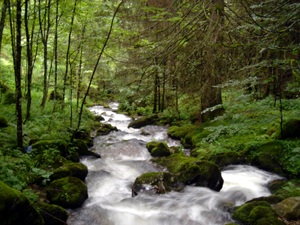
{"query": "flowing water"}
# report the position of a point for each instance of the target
(125, 157)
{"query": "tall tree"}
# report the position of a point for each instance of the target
(15, 29)
(2, 20)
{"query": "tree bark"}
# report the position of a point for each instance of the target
(68, 51)
(2, 21)
(211, 95)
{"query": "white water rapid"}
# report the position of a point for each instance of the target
(125, 157)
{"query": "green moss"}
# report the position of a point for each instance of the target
(78, 170)
(15, 208)
(268, 157)
(81, 148)
(178, 133)
(147, 120)
(151, 145)
(68, 192)
(51, 213)
(263, 214)
(160, 150)
(41, 146)
(3, 122)
(226, 158)
(190, 170)
(242, 213)
(105, 129)
(290, 129)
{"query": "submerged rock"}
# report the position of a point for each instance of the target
(155, 183)
(78, 170)
(68, 192)
(105, 129)
(190, 170)
(52, 214)
(289, 208)
(15, 208)
(144, 121)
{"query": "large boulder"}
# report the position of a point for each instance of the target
(15, 208)
(82, 149)
(289, 208)
(3, 122)
(144, 121)
(179, 133)
(268, 156)
(52, 214)
(290, 129)
(158, 149)
(68, 192)
(257, 213)
(98, 118)
(78, 170)
(155, 183)
(105, 129)
(45, 145)
(226, 158)
(190, 170)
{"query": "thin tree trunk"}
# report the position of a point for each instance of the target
(95, 68)
(17, 54)
(80, 69)
(68, 51)
(29, 60)
(2, 21)
(45, 35)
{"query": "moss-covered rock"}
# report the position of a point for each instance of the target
(105, 129)
(289, 208)
(49, 145)
(190, 170)
(195, 137)
(267, 157)
(15, 208)
(9, 98)
(256, 213)
(263, 215)
(151, 145)
(78, 170)
(272, 199)
(59, 96)
(39, 160)
(178, 133)
(68, 192)
(144, 121)
(227, 158)
(98, 118)
(84, 135)
(290, 129)
(52, 214)
(155, 183)
(161, 150)
(82, 149)
(3, 122)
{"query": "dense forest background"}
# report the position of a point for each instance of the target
(193, 61)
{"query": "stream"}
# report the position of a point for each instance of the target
(125, 157)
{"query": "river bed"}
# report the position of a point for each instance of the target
(125, 157)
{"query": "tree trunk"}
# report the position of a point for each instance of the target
(17, 54)
(2, 21)
(68, 51)
(44, 29)
(211, 95)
